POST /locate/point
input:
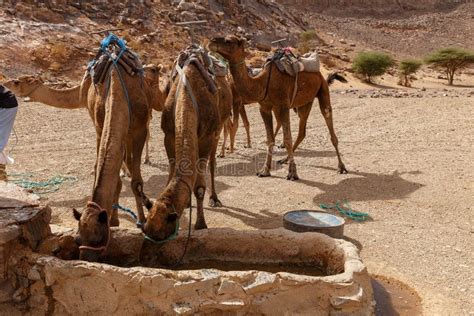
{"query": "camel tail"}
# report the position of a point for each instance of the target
(335, 76)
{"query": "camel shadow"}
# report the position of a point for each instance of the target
(251, 164)
(262, 220)
(248, 166)
(152, 187)
(365, 187)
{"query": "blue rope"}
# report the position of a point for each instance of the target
(348, 211)
(40, 187)
(127, 210)
(140, 224)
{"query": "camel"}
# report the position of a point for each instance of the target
(238, 109)
(273, 90)
(121, 126)
(120, 111)
(71, 98)
(241, 110)
(192, 120)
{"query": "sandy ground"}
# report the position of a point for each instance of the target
(411, 169)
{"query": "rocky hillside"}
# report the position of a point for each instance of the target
(58, 38)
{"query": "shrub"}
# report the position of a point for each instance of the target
(305, 39)
(407, 68)
(450, 60)
(372, 64)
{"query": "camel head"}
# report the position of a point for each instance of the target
(162, 219)
(152, 74)
(24, 85)
(94, 231)
(230, 47)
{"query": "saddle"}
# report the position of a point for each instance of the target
(209, 66)
(290, 64)
(113, 50)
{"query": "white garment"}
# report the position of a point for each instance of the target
(5, 159)
(7, 118)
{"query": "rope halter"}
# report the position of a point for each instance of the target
(104, 247)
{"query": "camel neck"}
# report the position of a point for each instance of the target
(251, 89)
(110, 151)
(61, 98)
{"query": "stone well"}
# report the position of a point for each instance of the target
(34, 280)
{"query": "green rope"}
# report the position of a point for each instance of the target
(348, 211)
(40, 187)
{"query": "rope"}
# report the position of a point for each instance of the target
(348, 211)
(175, 233)
(40, 187)
(126, 210)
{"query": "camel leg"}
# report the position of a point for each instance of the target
(114, 220)
(213, 199)
(207, 146)
(147, 149)
(245, 120)
(124, 171)
(134, 166)
(268, 121)
(226, 134)
(303, 113)
(283, 115)
(326, 110)
(277, 129)
(234, 125)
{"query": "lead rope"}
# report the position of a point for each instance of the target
(175, 234)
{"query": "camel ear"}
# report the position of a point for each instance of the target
(77, 214)
(242, 41)
(172, 217)
(103, 217)
(159, 67)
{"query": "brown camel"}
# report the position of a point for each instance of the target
(71, 98)
(238, 109)
(273, 90)
(241, 110)
(192, 120)
(121, 129)
(121, 132)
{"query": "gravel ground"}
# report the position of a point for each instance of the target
(411, 168)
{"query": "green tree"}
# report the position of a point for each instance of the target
(372, 64)
(450, 60)
(407, 68)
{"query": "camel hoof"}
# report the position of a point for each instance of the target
(282, 161)
(263, 174)
(343, 170)
(292, 177)
(248, 146)
(281, 146)
(200, 225)
(221, 155)
(214, 202)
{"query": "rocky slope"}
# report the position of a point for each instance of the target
(57, 38)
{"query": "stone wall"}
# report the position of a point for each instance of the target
(35, 282)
